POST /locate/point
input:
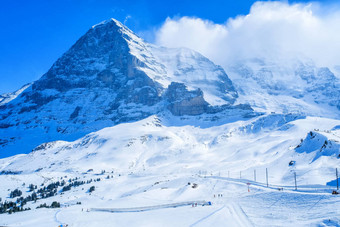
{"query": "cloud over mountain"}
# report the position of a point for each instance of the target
(271, 30)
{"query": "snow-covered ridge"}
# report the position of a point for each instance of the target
(6, 98)
(326, 143)
(108, 21)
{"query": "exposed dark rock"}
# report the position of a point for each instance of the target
(184, 102)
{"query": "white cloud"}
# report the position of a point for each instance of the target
(271, 30)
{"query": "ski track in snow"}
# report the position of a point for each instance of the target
(209, 215)
(238, 213)
(231, 213)
(56, 217)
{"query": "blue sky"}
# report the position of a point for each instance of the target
(35, 33)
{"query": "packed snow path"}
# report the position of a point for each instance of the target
(147, 208)
(230, 213)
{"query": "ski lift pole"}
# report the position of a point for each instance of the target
(337, 179)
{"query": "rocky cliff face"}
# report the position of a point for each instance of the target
(184, 102)
(107, 77)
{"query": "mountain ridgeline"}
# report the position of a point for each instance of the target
(111, 76)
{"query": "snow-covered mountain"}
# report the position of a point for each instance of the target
(110, 76)
(287, 86)
(124, 130)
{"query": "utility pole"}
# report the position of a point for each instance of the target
(255, 175)
(267, 177)
(337, 179)
(295, 181)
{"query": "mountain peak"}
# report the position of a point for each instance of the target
(108, 21)
(112, 24)
(115, 25)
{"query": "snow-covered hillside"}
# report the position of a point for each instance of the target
(141, 169)
(157, 146)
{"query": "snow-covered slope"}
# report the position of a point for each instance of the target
(321, 144)
(7, 97)
(110, 76)
(145, 171)
(155, 146)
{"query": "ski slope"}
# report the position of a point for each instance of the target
(261, 206)
(156, 163)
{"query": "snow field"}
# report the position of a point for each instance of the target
(237, 207)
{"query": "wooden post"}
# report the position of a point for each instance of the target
(255, 175)
(267, 177)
